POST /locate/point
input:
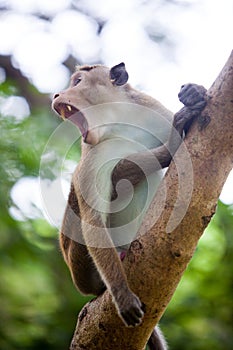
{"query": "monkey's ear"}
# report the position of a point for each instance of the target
(118, 74)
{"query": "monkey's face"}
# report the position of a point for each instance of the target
(87, 101)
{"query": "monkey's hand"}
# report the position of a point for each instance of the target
(193, 96)
(129, 308)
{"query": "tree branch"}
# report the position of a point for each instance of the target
(34, 98)
(181, 210)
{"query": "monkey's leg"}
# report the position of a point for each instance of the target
(83, 271)
(84, 275)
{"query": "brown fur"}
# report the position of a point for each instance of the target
(86, 236)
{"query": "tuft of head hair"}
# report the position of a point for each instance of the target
(86, 67)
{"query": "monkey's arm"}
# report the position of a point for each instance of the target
(194, 98)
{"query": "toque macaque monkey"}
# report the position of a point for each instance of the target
(127, 138)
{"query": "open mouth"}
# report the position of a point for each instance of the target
(70, 112)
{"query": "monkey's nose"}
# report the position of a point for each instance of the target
(55, 96)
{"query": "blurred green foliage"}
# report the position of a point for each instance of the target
(39, 304)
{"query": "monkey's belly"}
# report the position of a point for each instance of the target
(125, 223)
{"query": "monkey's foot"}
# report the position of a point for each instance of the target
(130, 309)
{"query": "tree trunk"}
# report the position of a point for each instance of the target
(177, 217)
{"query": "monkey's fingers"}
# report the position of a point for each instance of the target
(132, 317)
(193, 96)
(131, 311)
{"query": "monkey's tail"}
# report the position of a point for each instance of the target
(157, 340)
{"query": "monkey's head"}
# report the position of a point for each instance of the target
(87, 101)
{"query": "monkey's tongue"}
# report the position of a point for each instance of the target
(80, 121)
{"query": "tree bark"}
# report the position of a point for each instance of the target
(176, 219)
(34, 98)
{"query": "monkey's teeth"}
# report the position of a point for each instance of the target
(62, 112)
(69, 108)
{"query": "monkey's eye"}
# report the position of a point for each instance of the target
(76, 81)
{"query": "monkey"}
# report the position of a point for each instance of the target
(128, 137)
